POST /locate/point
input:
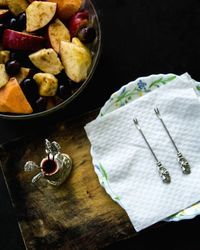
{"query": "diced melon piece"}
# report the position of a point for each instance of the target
(13, 100)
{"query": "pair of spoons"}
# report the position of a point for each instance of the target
(163, 172)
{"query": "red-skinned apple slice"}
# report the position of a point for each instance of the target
(77, 21)
(21, 41)
(4, 13)
(57, 32)
(81, 14)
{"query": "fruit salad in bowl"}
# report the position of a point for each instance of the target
(48, 53)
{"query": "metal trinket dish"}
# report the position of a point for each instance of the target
(55, 167)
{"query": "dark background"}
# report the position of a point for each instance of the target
(140, 38)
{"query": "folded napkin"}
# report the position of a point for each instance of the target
(122, 157)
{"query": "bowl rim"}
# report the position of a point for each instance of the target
(76, 93)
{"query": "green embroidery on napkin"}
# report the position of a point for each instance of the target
(198, 87)
(127, 94)
(103, 172)
(161, 80)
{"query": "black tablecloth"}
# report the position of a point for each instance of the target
(140, 38)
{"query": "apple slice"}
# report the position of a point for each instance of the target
(3, 75)
(4, 56)
(22, 41)
(39, 14)
(30, 1)
(47, 84)
(17, 6)
(23, 74)
(4, 13)
(47, 61)
(68, 8)
(58, 32)
(3, 3)
(13, 100)
(76, 59)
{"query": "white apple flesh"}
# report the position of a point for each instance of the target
(3, 76)
(76, 59)
(47, 61)
(57, 32)
(39, 14)
(22, 41)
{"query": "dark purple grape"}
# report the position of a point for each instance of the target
(31, 73)
(18, 56)
(12, 67)
(22, 58)
(21, 21)
(14, 56)
(29, 86)
(87, 34)
(63, 91)
(41, 104)
(13, 24)
(26, 62)
(30, 89)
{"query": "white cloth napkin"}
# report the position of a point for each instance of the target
(129, 168)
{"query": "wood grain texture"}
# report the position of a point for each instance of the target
(77, 215)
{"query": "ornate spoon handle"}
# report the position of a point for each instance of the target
(185, 166)
(163, 172)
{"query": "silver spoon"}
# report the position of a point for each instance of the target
(185, 166)
(163, 172)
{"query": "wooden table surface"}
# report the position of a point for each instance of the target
(78, 214)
